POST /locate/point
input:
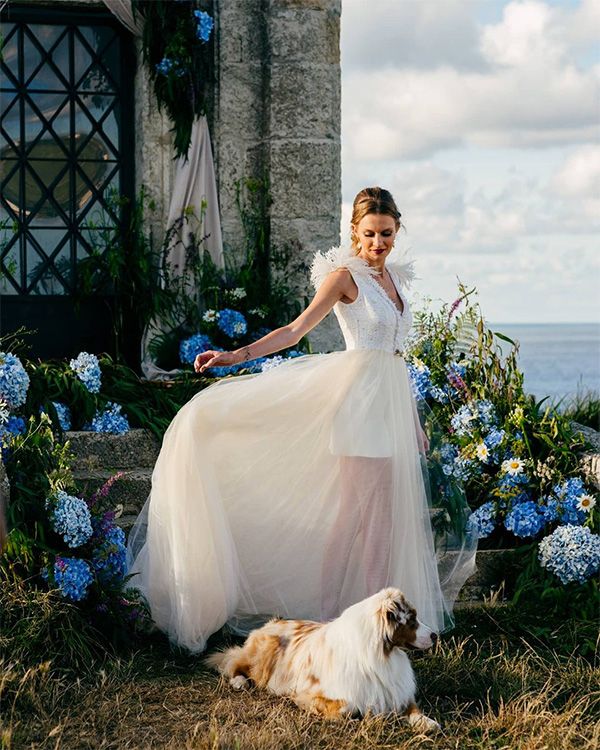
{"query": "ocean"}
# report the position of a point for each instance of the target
(557, 359)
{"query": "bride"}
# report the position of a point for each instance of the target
(299, 491)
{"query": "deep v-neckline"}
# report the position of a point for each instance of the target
(387, 296)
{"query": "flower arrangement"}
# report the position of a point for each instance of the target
(518, 461)
(63, 541)
(175, 45)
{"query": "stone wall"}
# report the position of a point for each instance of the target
(277, 114)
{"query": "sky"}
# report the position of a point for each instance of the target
(482, 117)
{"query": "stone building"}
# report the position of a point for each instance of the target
(273, 111)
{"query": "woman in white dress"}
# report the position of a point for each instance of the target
(299, 491)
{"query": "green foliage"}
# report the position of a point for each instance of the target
(583, 408)
(148, 404)
(125, 267)
(260, 284)
(535, 431)
(169, 31)
(37, 465)
(38, 626)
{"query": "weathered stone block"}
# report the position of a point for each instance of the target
(305, 101)
(242, 103)
(305, 179)
(305, 34)
(93, 451)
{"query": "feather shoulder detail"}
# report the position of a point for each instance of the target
(337, 257)
(403, 267)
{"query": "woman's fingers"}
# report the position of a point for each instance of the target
(202, 360)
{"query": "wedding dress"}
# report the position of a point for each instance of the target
(300, 490)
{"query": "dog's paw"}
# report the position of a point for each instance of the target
(239, 682)
(423, 723)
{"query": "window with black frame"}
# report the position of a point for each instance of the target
(66, 148)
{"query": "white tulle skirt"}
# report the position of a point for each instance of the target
(293, 493)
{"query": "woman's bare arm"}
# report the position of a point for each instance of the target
(338, 285)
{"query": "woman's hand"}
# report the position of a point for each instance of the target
(213, 358)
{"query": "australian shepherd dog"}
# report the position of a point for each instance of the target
(353, 665)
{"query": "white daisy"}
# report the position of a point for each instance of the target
(585, 502)
(482, 452)
(513, 466)
(210, 316)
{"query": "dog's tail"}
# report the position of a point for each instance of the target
(220, 660)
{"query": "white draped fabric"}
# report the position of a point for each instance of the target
(195, 187)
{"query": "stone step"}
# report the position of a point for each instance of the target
(95, 451)
(590, 460)
(129, 493)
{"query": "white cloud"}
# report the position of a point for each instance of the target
(531, 95)
(389, 33)
(574, 189)
(494, 163)
(527, 36)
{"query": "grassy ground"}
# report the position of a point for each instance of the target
(492, 683)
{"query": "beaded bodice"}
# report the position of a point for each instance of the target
(372, 321)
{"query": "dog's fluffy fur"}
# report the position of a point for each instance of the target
(352, 665)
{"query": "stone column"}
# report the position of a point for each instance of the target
(277, 115)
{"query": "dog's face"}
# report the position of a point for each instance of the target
(398, 623)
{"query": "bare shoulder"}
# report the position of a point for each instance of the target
(341, 281)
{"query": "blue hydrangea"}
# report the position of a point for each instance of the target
(64, 415)
(109, 557)
(463, 421)
(420, 380)
(73, 577)
(232, 323)
(14, 380)
(567, 493)
(87, 368)
(549, 508)
(204, 26)
(494, 438)
(254, 365)
(12, 427)
(438, 394)
(164, 66)
(486, 413)
(448, 453)
(524, 519)
(110, 420)
(571, 552)
(70, 517)
(482, 520)
(507, 482)
(464, 468)
(272, 362)
(190, 348)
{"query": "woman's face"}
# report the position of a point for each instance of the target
(376, 234)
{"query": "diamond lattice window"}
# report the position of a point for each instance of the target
(65, 145)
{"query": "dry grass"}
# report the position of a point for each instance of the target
(487, 691)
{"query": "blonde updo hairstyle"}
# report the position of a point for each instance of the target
(373, 200)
